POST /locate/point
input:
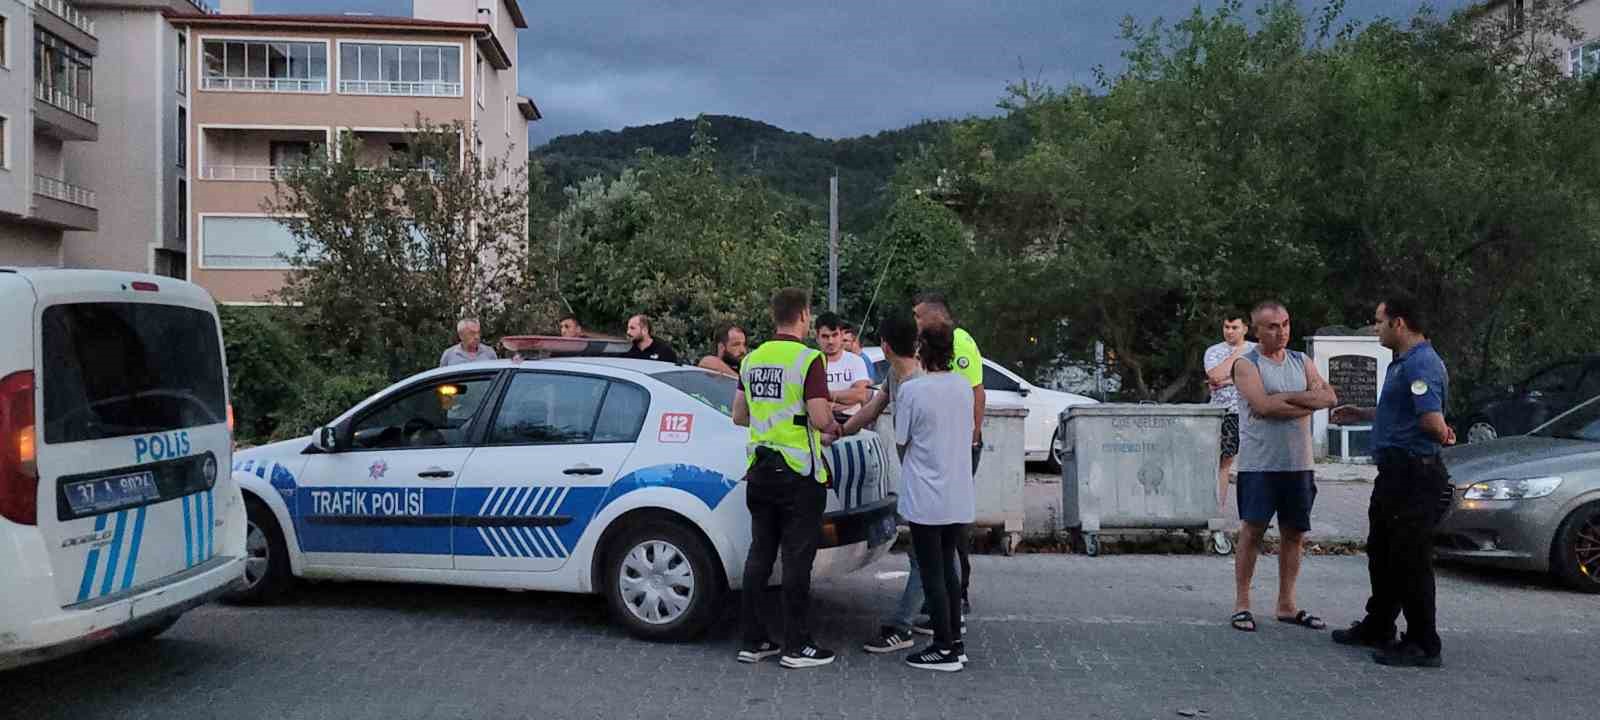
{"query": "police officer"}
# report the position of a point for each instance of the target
(783, 398)
(1410, 495)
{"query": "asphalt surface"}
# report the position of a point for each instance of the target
(1123, 636)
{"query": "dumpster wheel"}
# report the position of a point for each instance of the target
(1221, 543)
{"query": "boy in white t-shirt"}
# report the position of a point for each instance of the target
(849, 383)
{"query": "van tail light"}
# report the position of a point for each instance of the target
(230, 417)
(19, 469)
(232, 443)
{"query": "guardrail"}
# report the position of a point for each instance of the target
(378, 87)
(63, 191)
(245, 173)
(263, 85)
(64, 10)
(81, 108)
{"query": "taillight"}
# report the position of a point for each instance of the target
(143, 286)
(19, 470)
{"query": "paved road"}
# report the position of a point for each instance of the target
(1132, 636)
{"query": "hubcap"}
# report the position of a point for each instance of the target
(1481, 432)
(1058, 447)
(656, 581)
(256, 549)
(1586, 549)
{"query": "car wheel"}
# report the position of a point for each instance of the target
(1480, 430)
(266, 566)
(662, 582)
(1058, 450)
(1576, 556)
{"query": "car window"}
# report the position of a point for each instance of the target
(438, 414)
(1582, 423)
(1590, 386)
(994, 380)
(1560, 378)
(714, 390)
(544, 407)
(118, 369)
(622, 414)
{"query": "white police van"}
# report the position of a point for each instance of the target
(576, 475)
(114, 421)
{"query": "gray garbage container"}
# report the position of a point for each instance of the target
(1148, 466)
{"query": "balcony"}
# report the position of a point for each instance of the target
(62, 116)
(61, 204)
(226, 84)
(245, 173)
(64, 10)
(378, 87)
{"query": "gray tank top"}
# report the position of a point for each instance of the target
(1275, 444)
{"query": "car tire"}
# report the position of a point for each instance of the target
(267, 579)
(1574, 557)
(1479, 430)
(650, 565)
(1053, 454)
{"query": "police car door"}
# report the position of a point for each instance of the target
(385, 501)
(554, 445)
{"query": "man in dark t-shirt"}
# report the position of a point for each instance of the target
(645, 346)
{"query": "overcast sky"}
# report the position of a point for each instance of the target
(833, 69)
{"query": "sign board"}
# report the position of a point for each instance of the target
(1355, 379)
(676, 427)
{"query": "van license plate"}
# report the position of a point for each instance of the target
(92, 497)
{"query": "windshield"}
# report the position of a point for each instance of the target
(1581, 423)
(707, 387)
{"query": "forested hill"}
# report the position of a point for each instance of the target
(794, 163)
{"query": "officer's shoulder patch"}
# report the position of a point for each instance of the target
(963, 362)
(1419, 387)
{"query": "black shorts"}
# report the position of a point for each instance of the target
(1289, 495)
(1230, 435)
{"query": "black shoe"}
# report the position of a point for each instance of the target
(935, 659)
(961, 651)
(925, 627)
(759, 652)
(806, 656)
(1358, 634)
(890, 639)
(1407, 654)
(966, 607)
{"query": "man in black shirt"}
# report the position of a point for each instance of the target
(646, 347)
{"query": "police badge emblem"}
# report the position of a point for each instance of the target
(1419, 387)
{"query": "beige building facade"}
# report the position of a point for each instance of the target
(1582, 57)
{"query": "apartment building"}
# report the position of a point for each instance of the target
(48, 51)
(267, 89)
(1582, 56)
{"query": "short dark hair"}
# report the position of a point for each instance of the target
(789, 304)
(644, 321)
(1400, 306)
(831, 321)
(936, 346)
(898, 331)
(1232, 314)
(847, 327)
(568, 316)
(724, 330)
(932, 297)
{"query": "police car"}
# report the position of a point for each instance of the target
(580, 474)
(114, 422)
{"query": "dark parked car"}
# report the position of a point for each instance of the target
(1518, 409)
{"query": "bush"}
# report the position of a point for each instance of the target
(280, 387)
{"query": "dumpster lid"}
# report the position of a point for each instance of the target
(1144, 410)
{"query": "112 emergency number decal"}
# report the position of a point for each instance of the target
(676, 427)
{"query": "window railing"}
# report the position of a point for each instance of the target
(64, 191)
(64, 10)
(264, 85)
(246, 173)
(81, 108)
(383, 87)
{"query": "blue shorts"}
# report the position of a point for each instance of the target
(1289, 495)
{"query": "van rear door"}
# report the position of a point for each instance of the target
(132, 430)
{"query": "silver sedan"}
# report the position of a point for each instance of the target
(1530, 502)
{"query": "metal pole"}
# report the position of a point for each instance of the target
(1100, 371)
(833, 243)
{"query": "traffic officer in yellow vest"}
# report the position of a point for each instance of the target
(783, 398)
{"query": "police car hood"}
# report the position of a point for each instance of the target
(277, 449)
(1523, 456)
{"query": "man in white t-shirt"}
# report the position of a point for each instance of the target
(1219, 360)
(849, 384)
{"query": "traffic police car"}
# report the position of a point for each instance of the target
(583, 474)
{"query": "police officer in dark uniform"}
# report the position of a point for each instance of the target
(1411, 493)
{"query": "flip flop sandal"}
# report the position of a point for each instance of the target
(1243, 621)
(1305, 619)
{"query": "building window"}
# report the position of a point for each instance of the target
(181, 222)
(477, 81)
(1516, 15)
(5, 142)
(183, 63)
(183, 136)
(63, 75)
(261, 66)
(245, 242)
(375, 69)
(289, 153)
(5, 42)
(1584, 60)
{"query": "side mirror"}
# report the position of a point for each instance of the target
(328, 438)
(1023, 391)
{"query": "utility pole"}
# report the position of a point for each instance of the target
(833, 242)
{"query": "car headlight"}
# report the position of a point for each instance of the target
(1513, 488)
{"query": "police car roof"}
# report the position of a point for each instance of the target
(643, 367)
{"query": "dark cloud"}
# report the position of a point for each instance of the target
(832, 69)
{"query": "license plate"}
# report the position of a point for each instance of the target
(92, 497)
